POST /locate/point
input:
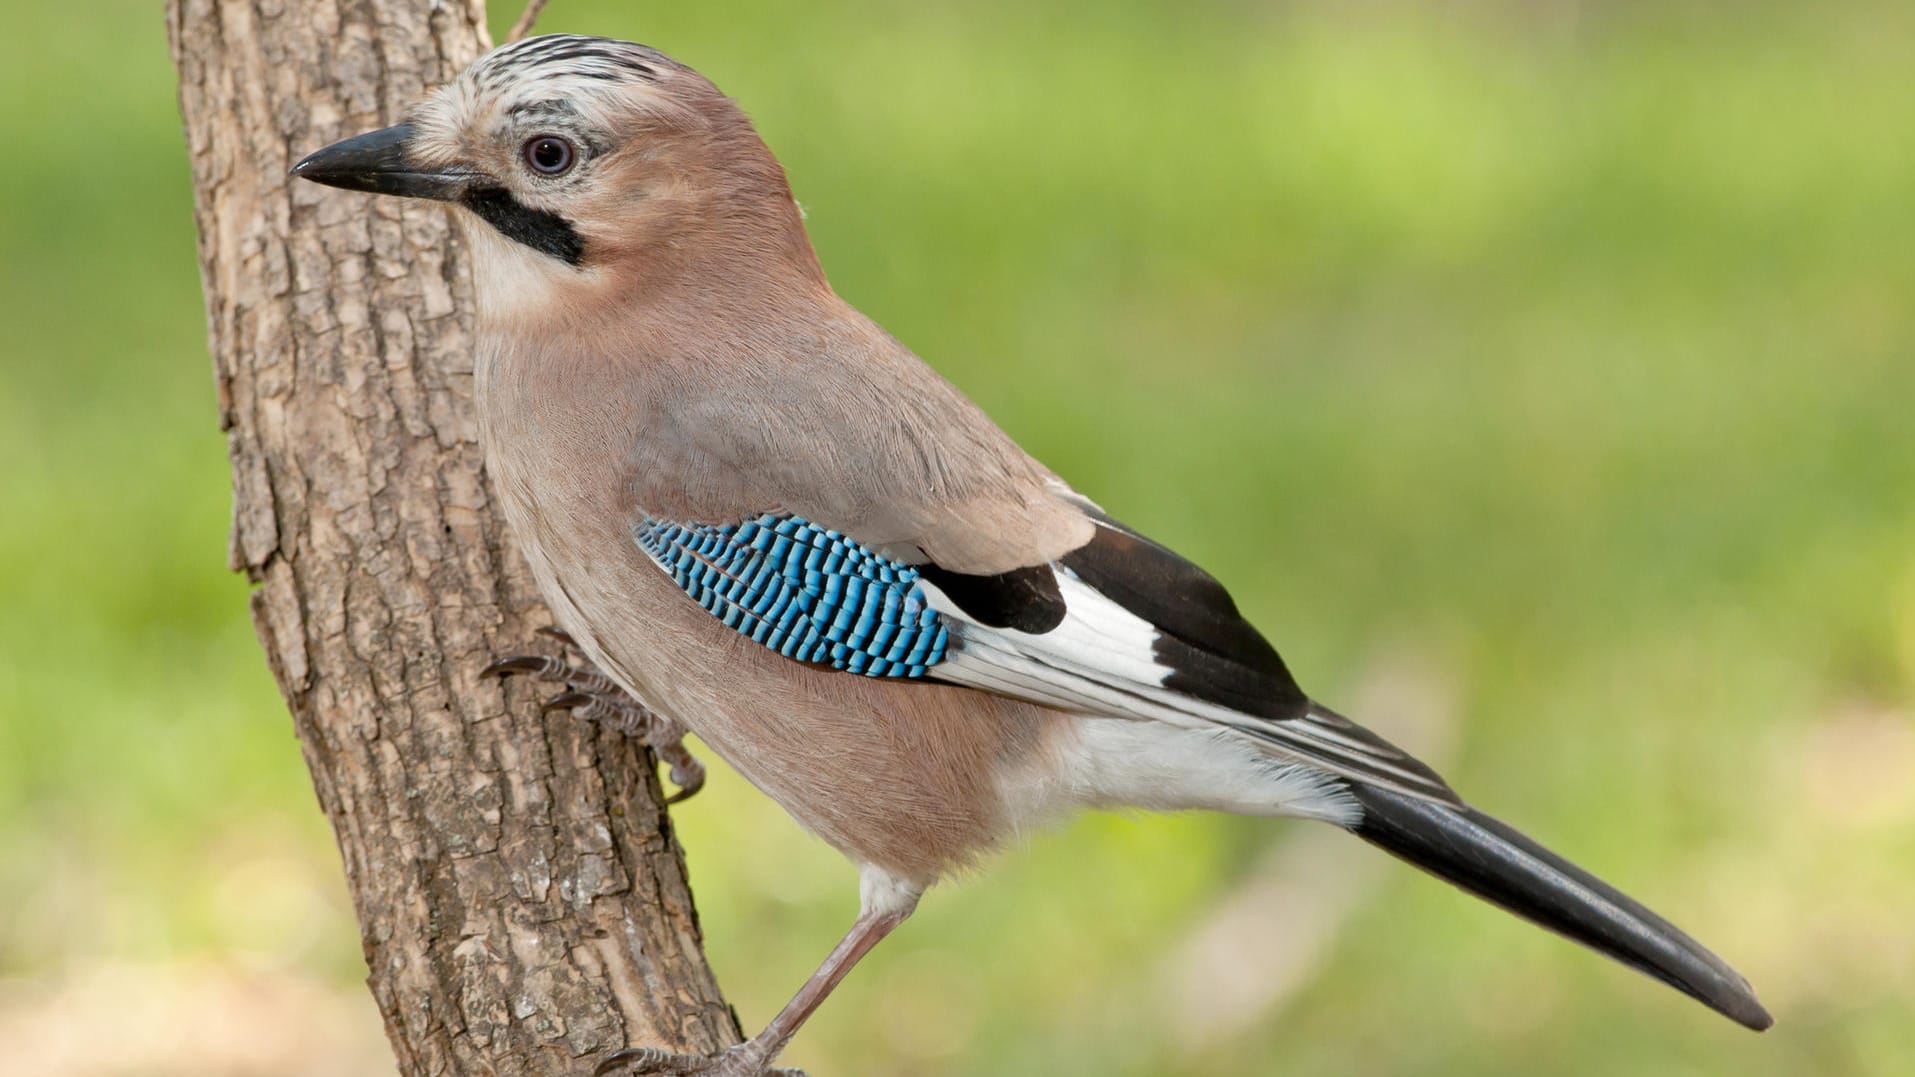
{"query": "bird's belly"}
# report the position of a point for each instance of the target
(898, 773)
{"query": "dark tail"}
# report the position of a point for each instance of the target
(1498, 864)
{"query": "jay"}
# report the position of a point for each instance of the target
(760, 518)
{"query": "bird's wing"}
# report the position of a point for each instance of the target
(863, 514)
(1119, 626)
(1124, 627)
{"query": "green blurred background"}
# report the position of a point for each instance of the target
(1540, 375)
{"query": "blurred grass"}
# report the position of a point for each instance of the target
(1570, 344)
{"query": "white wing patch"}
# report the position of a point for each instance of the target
(1099, 648)
(1101, 660)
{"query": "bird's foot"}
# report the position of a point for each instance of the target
(739, 1061)
(594, 697)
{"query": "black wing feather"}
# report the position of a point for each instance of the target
(1025, 599)
(1203, 653)
(1212, 652)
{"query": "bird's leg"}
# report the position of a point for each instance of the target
(886, 902)
(594, 697)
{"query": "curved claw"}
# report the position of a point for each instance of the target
(565, 701)
(686, 789)
(519, 663)
(687, 773)
(555, 632)
(593, 697)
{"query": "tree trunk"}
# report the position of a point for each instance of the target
(521, 899)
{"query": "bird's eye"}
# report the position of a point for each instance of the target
(549, 155)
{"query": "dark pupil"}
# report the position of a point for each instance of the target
(550, 155)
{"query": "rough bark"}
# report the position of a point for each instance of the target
(521, 899)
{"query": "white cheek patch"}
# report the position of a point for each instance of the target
(510, 279)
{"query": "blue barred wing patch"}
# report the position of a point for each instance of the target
(804, 591)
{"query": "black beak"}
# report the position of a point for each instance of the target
(377, 162)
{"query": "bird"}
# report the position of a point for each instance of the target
(757, 516)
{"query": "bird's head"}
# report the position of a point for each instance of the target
(584, 162)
